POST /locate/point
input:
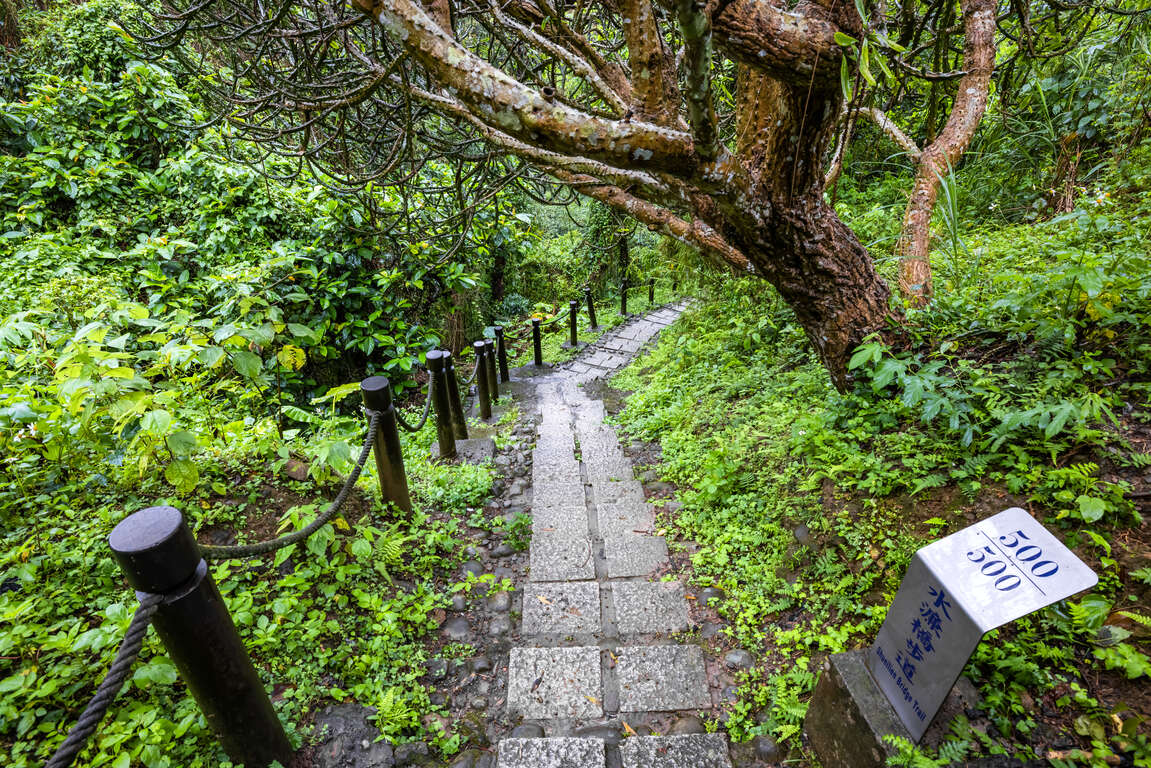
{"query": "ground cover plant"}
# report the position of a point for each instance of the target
(1025, 383)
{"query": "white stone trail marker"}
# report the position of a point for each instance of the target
(956, 590)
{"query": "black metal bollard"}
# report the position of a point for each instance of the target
(590, 309)
(445, 437)
(502, 354)
(459, 421)
(623, 298)
(651, 291)
(675, 285)
(377, 392)
(537, 345)
(493, 375)
(573, 319)
(158, 554)
(482, 394)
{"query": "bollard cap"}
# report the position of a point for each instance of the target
(535, 321)
(436, 359)
(489, 343)
(377, 392)
(155, 549)
(573, 303)
(499, 329)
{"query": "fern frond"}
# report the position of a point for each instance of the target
(1138, 618)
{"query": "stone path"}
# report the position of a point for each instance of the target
(598, 646)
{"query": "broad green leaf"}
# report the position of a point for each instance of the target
(301, 331)
(864, 66)
(156, 422)
(210, 356)
(182, 443)
(183, 475)
(157, 671)
(1091, 508)
(247, 364)
(360, 549)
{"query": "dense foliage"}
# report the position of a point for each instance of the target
(183, 321)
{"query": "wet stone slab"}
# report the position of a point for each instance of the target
(556, 556)
(616, 489)
(562, 609)
(558, 493)
(608, 469)
(551, 753)
(646, 608)
(633, 555)
(554, 472)
(548, 683)
(661, 678)
(621, 520)
(569, 521)
(702, 750)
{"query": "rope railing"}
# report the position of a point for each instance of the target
(424, 417)
(150, 603)
(114, 680)
(264, 547)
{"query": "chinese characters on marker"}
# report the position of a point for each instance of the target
(925, 630)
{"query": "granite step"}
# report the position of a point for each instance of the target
(703, 750)
(565, 752)
(632, 555)
(561, 608)
(559, 556)
(661, 678)
(550, 683)
(649, 608)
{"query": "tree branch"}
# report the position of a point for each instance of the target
(578, 64)
(647, 184)
(893, 131)
(791, 47)
(508, 105)
(696, 26)
(943, 153)
(694, 232)
(655, 93)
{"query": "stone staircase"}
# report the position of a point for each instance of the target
(599, 658)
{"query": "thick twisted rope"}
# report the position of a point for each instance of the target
(560, 316)
(113, 682)
(251, 550)
(424, 418)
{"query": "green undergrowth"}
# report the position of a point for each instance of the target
(1026, 382)
(344, 616)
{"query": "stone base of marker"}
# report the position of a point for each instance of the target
(849, 716)
(578, 345)
(475, 450)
